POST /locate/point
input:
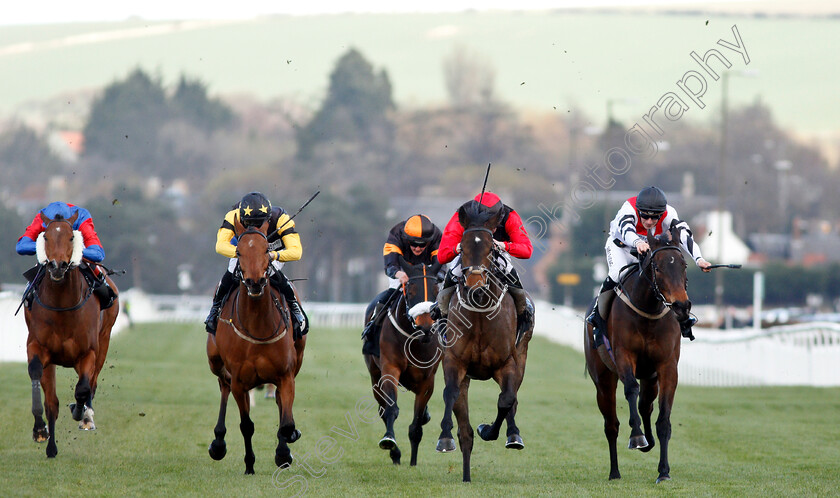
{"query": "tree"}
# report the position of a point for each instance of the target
(469, 78)
(355, 110)
(190, 102)
(24, 158)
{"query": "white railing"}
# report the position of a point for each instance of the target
(803, 354)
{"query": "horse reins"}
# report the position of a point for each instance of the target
(666, 306)
(82, 300)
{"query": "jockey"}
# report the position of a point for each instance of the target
(283, 243)
(647, 211)
(416, 240)
(92, 251)
(510, 238)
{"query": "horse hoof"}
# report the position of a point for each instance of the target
(387, 443)
(485, 432)
(76, 414)
(445, 445)
(40, 435)
(514, 442)
(52, 452)
(637, 442)
(249, 472)
(294, 436)
(665, 477)
(395, 455)
(283, 457)
(217, 450)
(87, 420)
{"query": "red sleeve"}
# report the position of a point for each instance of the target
(34, 228)
(449, 240)
(89, 233)
(519, 245)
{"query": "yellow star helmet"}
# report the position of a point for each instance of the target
(254, 209)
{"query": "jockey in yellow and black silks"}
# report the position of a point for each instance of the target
(284, 245)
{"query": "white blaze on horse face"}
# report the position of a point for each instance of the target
(672, 260)
(477, 240)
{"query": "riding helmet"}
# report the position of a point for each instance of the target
(652, 200)
(254, 209)
(419, 229)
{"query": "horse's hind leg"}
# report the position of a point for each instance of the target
(668, 382)
(388, 385)
(631, 393)
(507, 398)
(51, 407)
(218, 448)
(465, 430)
(36, 372)
(81, 410)
(514, 440)
(287, 433)
(648, 394)
(246, 426)
(606, 386)
(415, 430)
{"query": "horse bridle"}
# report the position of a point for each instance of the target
(425, 279)
(652, 279)
(70, 266)
(480, 270)
(268, 271)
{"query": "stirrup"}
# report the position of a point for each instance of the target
(212, 319)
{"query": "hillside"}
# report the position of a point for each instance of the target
(543, 61)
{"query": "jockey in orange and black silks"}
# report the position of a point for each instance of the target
(90, 246)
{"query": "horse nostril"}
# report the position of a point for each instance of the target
(263, 281)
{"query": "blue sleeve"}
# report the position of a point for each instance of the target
(94, 253)
(25, 246)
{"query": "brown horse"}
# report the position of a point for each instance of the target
(66, 328)
(408, 356)
(480, 340)
(644, 334)
(254, 345)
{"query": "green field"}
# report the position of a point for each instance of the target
(547, 62)
(157, 405)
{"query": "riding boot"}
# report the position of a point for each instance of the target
(600, 310)
(524, 310)
(29, 294)
(226, 284)
(279, 280)
(104, 292)
(440, 308)
(374, 322)
(685, 327)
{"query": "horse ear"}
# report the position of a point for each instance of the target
(403, 263)
(237, 226)
(435, 267)
(462, 216)
(73, 218)
(44, 219)
(264, 227)
(494, 220)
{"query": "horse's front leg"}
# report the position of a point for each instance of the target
(246, 426)
(514, 440)
(36, 372)
(668, 387)
(287, 433)
(465, 430)
(648, 394)
(631, 393)
(388, 387)
(51, 407)
(453, 375)
(218, 448)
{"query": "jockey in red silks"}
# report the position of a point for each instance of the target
(629, 230)
(91, 248)
(510, 238)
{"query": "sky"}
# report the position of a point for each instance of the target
(60, 11)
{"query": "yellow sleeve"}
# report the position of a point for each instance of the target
(293, 250)
(225, 235)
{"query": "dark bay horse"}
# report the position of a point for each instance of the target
(480, 340)
(66, 328)
(644, 335)
(254, 345)
(408, 356)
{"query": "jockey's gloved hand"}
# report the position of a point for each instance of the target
(499, 245)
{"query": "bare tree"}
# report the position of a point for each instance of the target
(470, 77)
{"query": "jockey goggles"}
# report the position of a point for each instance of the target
(649, 215)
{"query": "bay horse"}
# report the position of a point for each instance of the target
(644, 334)
(480, 339)
(408, 357)
(66, 328)
(254, 345)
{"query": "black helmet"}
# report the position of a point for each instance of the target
(651, 200)
(254, 209)
(418, 230)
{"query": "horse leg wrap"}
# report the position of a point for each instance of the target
(37, 406)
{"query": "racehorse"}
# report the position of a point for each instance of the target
(481, 340)
(408, 356)
(644, 335)
(254, 345)
(66, 328)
